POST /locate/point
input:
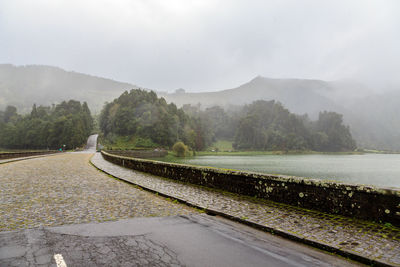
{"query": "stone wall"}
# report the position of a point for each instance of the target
(11, 155)
(365, 202)
(143, 154)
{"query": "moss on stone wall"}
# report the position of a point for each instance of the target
(11, 155)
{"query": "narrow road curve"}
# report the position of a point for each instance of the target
(91, 143)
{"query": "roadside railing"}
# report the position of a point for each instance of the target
(11, 155)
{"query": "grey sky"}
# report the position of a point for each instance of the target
(206, 44)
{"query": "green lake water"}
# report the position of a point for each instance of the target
(371, 169)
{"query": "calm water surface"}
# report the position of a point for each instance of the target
(372, 169)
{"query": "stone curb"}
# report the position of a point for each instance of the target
(279, 232)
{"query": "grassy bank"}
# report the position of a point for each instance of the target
(225, 148)
(371, 151)
(255, 153)
(126, 143)
(171, 157)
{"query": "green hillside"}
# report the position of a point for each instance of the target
(23, 86)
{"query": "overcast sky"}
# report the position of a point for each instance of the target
(206, 45)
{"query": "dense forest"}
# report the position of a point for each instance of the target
(68, 123)
(149, 121)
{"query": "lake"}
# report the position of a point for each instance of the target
(371, 169)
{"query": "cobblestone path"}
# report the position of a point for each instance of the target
(366, 239)
(66, 189)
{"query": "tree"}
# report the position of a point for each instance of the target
(141, 114)
(180, 149)
(34, 113)
(332, 135)
(10, 113)
(267, 125)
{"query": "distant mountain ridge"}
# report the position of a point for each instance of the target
(299, 96)
(22, 86)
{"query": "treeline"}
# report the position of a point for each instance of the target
(267, 125)
(262, 125)
(68, 123)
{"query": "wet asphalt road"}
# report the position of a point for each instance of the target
(192, 240)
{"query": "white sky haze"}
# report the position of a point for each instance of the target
(209, 44)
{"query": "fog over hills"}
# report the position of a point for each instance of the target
(299, 96)
(22, 86)
(373, 118)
